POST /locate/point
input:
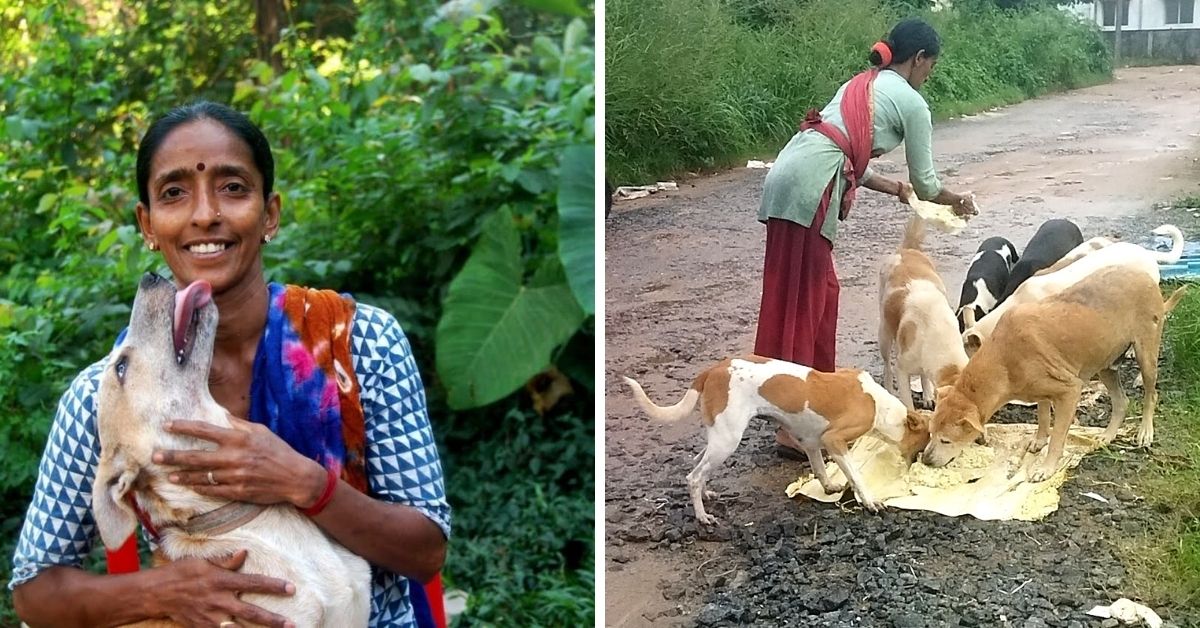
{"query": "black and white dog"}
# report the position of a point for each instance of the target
(1054, 239)
(986, 280)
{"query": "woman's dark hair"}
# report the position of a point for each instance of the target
(906, 39)
(235, 121)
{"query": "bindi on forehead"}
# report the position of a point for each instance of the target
(200, 166)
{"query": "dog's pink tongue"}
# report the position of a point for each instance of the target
(196, 295)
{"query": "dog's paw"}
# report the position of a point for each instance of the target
(833, 487)
(1042, 473)
(1036, 444)
(707, 519)
(873, 505)
(709, 495)
(1108, 436)
(1145, 437)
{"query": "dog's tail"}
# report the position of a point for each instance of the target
(1173, 300)
(668, 414)
(914, 233)
(1172, 256)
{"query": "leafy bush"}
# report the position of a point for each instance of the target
(766, 62)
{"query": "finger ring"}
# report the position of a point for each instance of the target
(213, 481)
(227, 622)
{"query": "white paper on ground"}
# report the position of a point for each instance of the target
(1129, 612)
(987, 482)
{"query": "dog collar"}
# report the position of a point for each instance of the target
(142, 517)
(229, 517)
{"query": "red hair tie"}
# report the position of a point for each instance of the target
(885, 53)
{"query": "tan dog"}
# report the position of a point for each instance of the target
(159, 372)
(1085, 259)
(824, 411)
(916, 319)
(1045, 352)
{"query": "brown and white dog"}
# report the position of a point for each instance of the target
(160, 371)
(1045, 352)
(1079, 263)
(824, 411)
(915, 318)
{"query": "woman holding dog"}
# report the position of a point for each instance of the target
(813, 183)
(373, 482)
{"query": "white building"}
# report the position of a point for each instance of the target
(1168, 29)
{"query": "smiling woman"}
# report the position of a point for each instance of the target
(334, 412)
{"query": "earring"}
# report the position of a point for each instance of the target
(153, 246)
(267, 238)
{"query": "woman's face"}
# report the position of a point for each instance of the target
(923, 65)
(207, 214)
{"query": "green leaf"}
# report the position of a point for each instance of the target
(577, 223)
(107, 241)
(495, 333)
(420, 73)
(565, 7)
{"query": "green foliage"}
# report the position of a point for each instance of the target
(497, 330)
(524, 538)
(398, 133)
(577, 226)
(766, 62)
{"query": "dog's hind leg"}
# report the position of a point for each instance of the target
(723, 438)
(885, 351)
(1146, 351)
(1120, 402)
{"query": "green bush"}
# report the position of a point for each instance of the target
(701, 84)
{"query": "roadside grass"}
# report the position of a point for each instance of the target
(1164, 561)
(694, 85)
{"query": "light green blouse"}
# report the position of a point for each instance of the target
(793, 187)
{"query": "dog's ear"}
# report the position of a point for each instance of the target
(116, 520)
(972, 419)
(916, 422)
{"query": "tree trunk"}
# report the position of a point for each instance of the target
(270, 18)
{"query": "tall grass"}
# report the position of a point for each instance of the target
(1165, 561)
(702, 83)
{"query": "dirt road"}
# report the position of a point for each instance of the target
(683, 280)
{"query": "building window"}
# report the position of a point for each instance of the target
(1109, 8)
(1180, 11)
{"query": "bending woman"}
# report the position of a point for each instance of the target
(818, 173)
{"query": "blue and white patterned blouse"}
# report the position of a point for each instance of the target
(402, 461)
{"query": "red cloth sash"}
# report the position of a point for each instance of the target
(858, 113)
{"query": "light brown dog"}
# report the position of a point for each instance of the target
(823, 411)
(915, 318)
(159, 372)
(1045, 352)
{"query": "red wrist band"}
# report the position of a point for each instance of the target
(331, 481)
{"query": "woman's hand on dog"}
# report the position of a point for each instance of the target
(250, 464)
(202, 592)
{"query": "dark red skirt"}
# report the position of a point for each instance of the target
(797, 321)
